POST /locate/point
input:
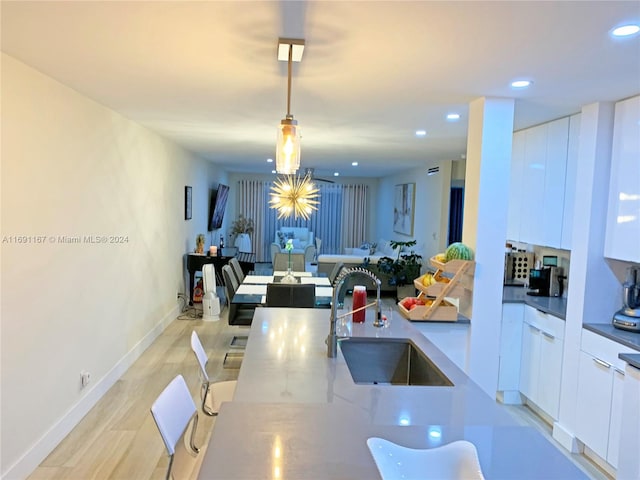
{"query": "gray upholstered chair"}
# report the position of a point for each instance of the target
(237, 269)
(281, 262)
(301, 295)
(238, 315)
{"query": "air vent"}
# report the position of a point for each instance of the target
(433, 171)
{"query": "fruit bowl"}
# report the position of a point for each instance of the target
(415, 311)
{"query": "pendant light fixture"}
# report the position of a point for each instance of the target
(288, 146)
(294, 195)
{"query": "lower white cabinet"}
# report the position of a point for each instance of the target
(600, 395)
(628, 459)
(541, 360)
(510, 351)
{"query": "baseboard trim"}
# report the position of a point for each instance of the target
(45, 445)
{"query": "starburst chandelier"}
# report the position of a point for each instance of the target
(294, 195)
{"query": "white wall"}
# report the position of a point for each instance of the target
(431, 207)
(72, 168)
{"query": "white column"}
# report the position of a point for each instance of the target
(594, 291)
(485, 228)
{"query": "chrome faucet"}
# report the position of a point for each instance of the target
(332, 339)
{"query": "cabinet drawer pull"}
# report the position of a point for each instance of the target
(544, 313)
(534, 328)
(548, 335)
(601, 362)
(621, 372)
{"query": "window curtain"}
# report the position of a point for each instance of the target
(340, 221)
(251, 203)
(354, 215)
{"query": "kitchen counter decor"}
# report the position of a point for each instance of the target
(451, 279)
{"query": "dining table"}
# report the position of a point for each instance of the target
(253, 289)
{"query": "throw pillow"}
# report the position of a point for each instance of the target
(281, 239)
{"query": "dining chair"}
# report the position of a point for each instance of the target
(275, 248)
(173, 411)
(281, 262)
(300, 295)
(237, 269)
(237, 315)
(216, 392)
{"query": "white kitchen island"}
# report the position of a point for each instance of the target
(297, 414)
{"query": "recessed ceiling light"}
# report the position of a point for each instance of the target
(521, 83)
(421, 133)
(269, 160)
(453, 116)
(273, 171)
(355, 164)
(625, 30)
(336, 174)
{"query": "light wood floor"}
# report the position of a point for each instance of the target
(118, 438)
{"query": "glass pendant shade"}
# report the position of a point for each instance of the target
(288, 147)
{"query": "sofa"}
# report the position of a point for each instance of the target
(301, 237)
(355, 257)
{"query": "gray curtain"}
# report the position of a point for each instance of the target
(341, 219)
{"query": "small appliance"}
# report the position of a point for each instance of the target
(210, 300)
(628, 318)
(546, 282)
(516, 267)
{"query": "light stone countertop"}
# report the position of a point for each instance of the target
(298, 414)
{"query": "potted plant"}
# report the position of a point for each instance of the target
(402, 270)
(241, 228)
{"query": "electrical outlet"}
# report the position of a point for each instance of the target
(85, 378)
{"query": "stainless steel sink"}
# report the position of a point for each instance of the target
(390, 361)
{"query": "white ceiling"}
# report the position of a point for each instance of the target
(205, 74)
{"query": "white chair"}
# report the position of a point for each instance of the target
(173, 411)
(217, 392)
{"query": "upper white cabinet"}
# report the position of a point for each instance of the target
(570, 181)
(514, 208)
(538, 184)
(623, 219)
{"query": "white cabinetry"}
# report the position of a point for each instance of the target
(570, 181)
(541, 359)
(629, 460)
(514, 208)
(510, 346)
(623, 218)
(538, 183)
(600, 395)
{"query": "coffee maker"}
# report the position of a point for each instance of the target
(546, 282)
(628, 318)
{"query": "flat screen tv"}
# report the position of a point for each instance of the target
(217, 206)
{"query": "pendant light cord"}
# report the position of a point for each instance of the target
(289, 82)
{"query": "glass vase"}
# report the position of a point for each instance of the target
(289, 278)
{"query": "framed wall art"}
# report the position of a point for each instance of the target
(403, 208)
(187, 203)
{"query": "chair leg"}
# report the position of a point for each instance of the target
(192, 443)
(168, 476)
(204, 394)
